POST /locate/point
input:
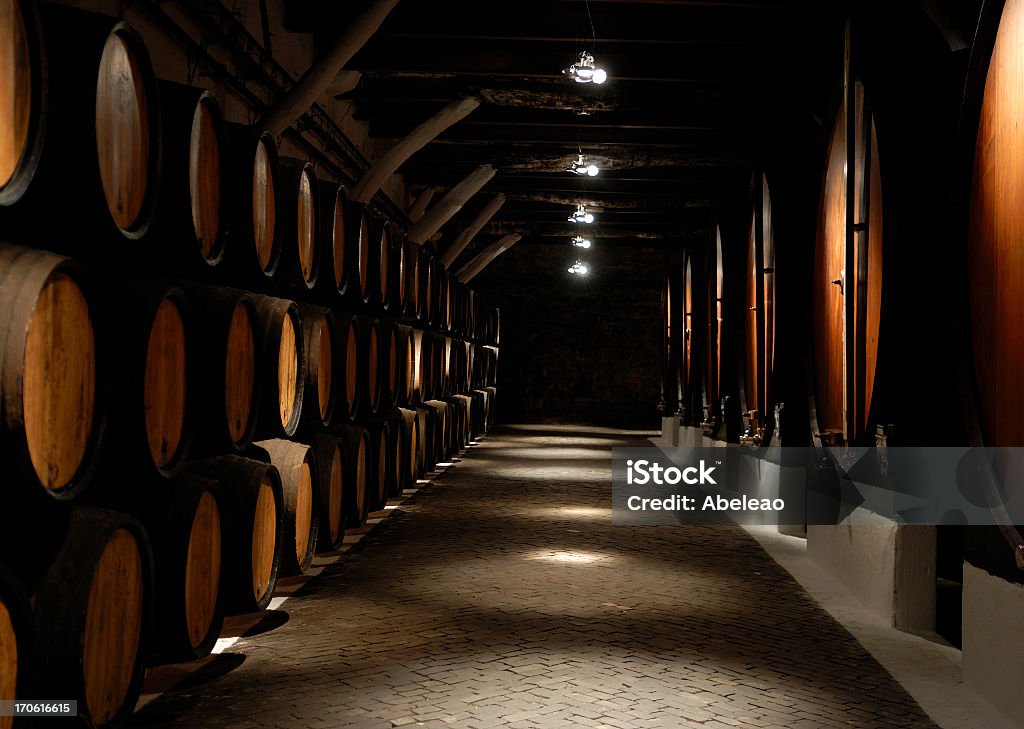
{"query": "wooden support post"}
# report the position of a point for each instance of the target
(450, 204)
(322, 73)
(472, 230)
(484, 258)
(422, 135)
(420, 206)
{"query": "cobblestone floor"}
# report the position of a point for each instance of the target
(503, 597)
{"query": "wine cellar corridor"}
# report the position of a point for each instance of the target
(502, 596)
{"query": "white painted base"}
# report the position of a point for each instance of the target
(670, 431)
(889, 567)
(993, 653)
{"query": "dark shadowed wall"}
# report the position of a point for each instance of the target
(579, 350)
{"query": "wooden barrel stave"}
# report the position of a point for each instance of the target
(93, 614)
(284, 368)
(225, 340)
(297, 466)
(51, 378)
(253, 528)
(332, 476)
(319, 346)
(359, 465)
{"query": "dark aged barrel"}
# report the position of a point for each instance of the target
(996, 260)
(296, 464)
(414, 282)
(359, 464)
(399, 277)
(406, 364)
(443, 424)
(337, 277)
(226, 346)
(374, 354)
(715, 294)
(253, 518)
(419, 345)
(380, 464)
(349, 355)
(360, 235)
(425, 417)
(844, 389)
(254, 244)
(191, 217)
(319, 347)
(298, 221)
(149, 360)
(93, 615)
(390, 364)
(186, 528)
(49, 388)
(409, 465)
(332, 477)
(283, 366)
(23, 92)
(15, 641)
(381, 265)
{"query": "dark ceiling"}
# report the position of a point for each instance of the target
(696, 91)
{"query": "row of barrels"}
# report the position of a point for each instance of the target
(97, 594)
(154, 177)
(152, 374)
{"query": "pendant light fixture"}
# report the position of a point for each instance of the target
(579, 268)
(585, 70)
(582, 167)
(581, 242)
(581, 215)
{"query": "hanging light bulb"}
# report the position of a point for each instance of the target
(584, 71)
(579, 268)
(580, 167)
(581, 215)
(581, 242)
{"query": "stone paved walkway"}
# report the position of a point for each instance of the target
(503, 597)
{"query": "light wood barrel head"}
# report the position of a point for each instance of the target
(338, 241)
(8, 662)
(287, 370)
(202, 569)
(264, 209)
(239, 372)
(264, 535)
(364, 255)
(335, 494)
(324, 365)
(373, 360)
(123, 134)
(164, 386)
(15, 91)
(113, 626)
(205, 167)
(303, 511)
(352, 366)
(307, 226)
(59, 382)
(361, 484)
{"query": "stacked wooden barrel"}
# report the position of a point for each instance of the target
(267, 363)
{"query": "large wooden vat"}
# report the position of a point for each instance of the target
(847, 307)
(51, 395)
(715, 328)
(996, 237)
(759, 316)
